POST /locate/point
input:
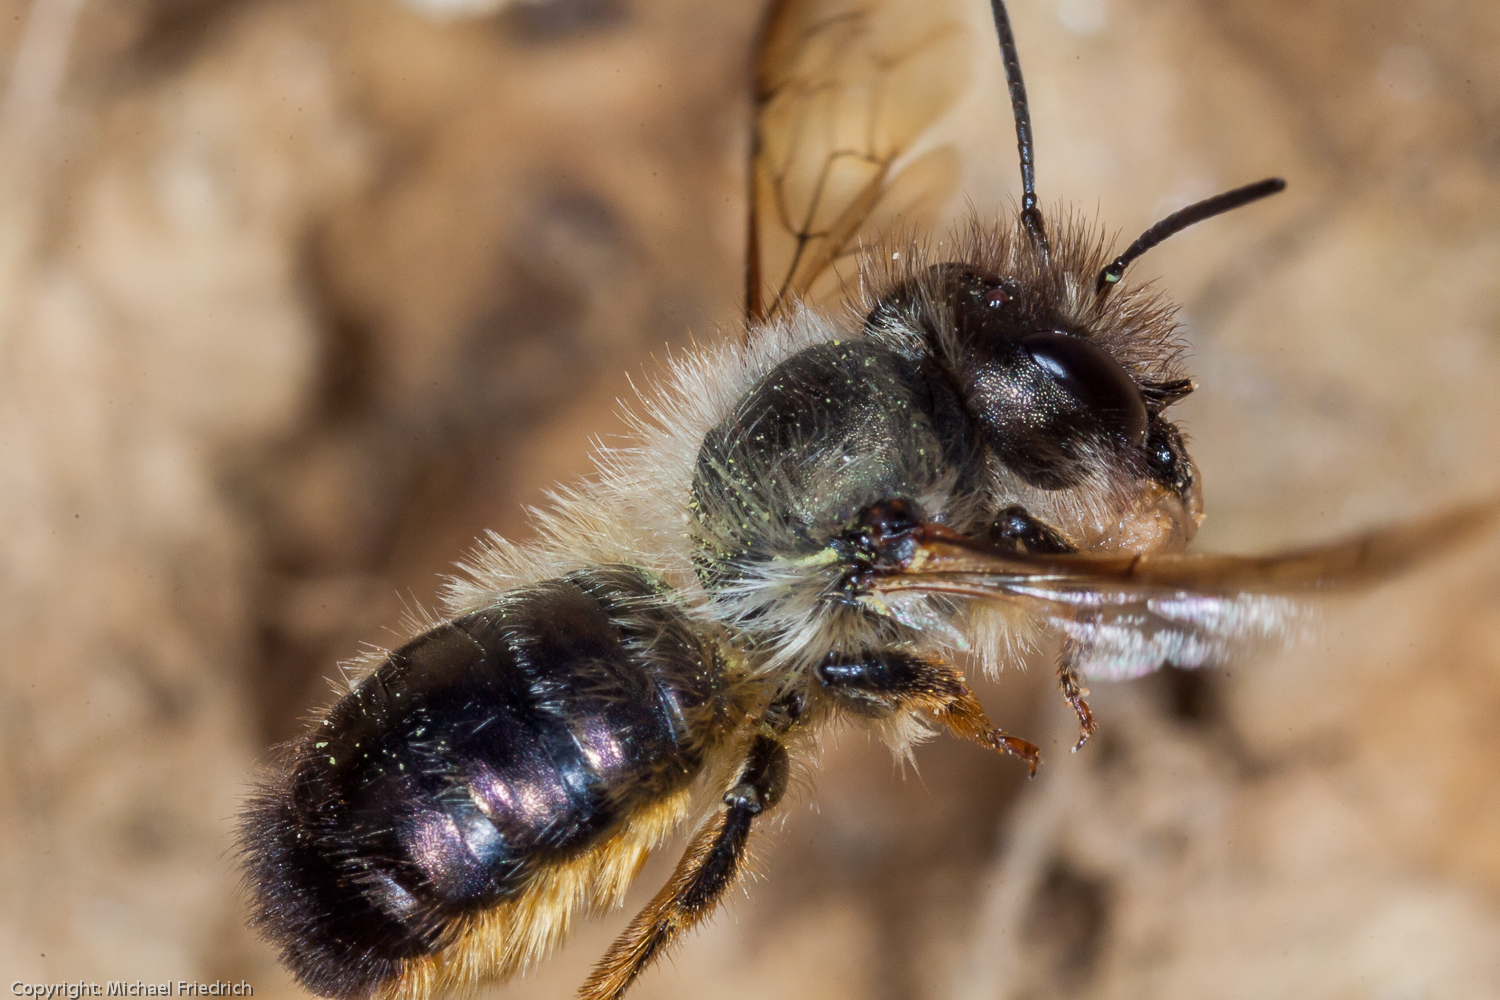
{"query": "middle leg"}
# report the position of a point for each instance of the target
(891, 681)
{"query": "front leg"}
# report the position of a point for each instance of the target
(891, 681)
(712, 863)
(1073, 690)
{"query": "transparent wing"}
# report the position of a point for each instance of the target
(845, 90)
(1133, 614)
(1121, 636)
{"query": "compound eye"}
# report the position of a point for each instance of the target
(1097, 381)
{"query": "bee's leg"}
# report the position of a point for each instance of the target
(1074, 691)
(1016, 529)
(711, 864)
(890, 681)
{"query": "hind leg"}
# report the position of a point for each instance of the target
(712, 863)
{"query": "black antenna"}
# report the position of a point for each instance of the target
(1030, 214)
(1180, 220)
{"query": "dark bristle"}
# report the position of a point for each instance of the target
(1137, 326)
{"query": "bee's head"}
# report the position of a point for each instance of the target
(1066, 386)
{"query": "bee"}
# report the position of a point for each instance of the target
(817, 524)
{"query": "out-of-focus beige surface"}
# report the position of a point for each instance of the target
(296, 298)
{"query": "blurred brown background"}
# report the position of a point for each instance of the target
(296, 298)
